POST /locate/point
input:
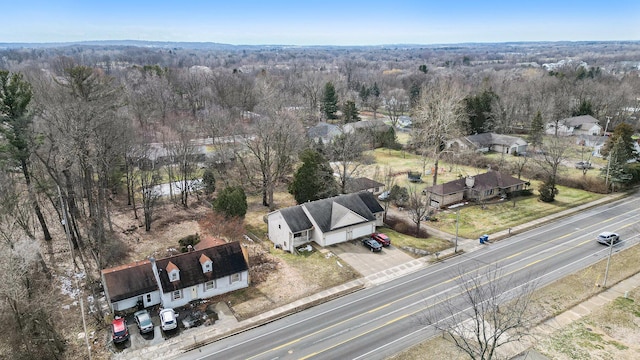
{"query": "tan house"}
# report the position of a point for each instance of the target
(477, 188)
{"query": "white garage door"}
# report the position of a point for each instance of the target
(336, 238)
(363, 230)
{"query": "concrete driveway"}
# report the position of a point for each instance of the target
(366, 262)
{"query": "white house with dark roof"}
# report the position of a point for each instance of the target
(177, 280)
(325, 222)
(490, 142)
(577, 125)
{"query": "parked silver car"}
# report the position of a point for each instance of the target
(143, 320)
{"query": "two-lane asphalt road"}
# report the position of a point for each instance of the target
(377, 322)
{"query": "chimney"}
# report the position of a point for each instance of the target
(469, 181)
(156, 275)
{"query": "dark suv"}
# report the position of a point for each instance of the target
(381, 238)
(371, 244)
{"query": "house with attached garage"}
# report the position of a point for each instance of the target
(482, 187)
(177, 280)
(577, 125)
(326, 221)
(486, 142)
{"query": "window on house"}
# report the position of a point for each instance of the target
(279, 227)
(207, 267)
(148, 298)
(235, 278)
(174, 276)
(209, 285)
(176, 295)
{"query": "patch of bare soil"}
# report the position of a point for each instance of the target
(171, 223)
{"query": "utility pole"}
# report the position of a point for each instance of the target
(455, 249)
(606, 272)
(606, 179)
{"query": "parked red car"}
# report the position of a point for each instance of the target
(119, 329)
(382, 239)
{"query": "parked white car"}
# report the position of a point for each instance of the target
(168, 319)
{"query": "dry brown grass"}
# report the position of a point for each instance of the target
(609, 333)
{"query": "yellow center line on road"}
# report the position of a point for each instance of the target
(434, 304)
(427, 289)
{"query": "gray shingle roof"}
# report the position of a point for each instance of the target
(488, 180)
(227, 259)
(577, 121)
(296, 219)
(333, 213)
(488, 139)
(362, 183)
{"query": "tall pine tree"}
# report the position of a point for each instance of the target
(314, 179)
(537, 130)
(330, 101)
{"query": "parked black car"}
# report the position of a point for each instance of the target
(371, 244)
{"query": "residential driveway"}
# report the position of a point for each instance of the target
(366, 262)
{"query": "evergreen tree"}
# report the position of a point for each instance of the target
(375, 91)
(231, 201)
(16, 127)
(314, 179)
(364, 94)
(626, 150)
(414, 94)
(479, 111)
(547, 191)
(585, 108)
(330, 101)
(209, 181)
(537, 130)
(350, 112)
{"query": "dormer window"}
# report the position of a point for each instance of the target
(206, 263)
(173, 272)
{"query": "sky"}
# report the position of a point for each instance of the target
(311, 22)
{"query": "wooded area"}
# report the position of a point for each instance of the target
(84, 128)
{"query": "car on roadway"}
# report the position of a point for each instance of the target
(383, 239)
(583, 165)
(168, 319)
(373, 245)
(143, 320)
(608, 238)
(119, 329)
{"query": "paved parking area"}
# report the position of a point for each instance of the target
(366, 262)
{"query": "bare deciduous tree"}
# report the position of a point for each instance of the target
(438, 117)
(346, 155)
(417, 207)
(555, 151)
(397, 104)
(270, 143)
(488, 313)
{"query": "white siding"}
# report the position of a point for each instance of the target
(279, 232)
(133, 302)
(223, 285)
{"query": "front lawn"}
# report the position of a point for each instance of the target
(475, 221)
(404, 241)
